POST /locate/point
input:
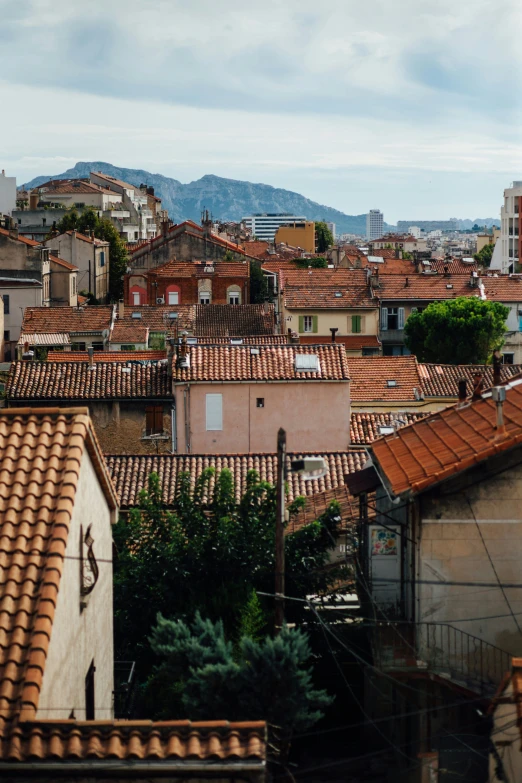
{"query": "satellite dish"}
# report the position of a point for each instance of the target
(105, 334)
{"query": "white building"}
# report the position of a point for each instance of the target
(7, 194)
(264, 226)
(374, 224)
(331, 227)
(414, 231)
(508, 248)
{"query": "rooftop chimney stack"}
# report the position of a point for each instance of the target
(90, 351)
(497, 365)
(463, 390)
(333, 330)
(121, 309)
(498, 395)
(477, 387)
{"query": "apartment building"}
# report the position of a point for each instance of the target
(301, 235)
(508, 249)
(374, 224)
(264, 225)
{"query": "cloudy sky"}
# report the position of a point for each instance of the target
(411, 106)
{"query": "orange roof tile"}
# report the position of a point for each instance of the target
(73, 186)
(174, 269)
(65, 264)
(106, 356)
(85, 238)
(352, 342)
(41, 452)
(423, 287)
(241, 320)
(384, 378)
(442, 380)
(124, 333)
(130, 473)
(223, 363)
(93, 318)
(448, 442)
(31, 242)
(365, 427)
(317, 504)
(325, 288)
(120, 743)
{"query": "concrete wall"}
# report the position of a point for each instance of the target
(334, 318)
(64, 286)
(460, 530)
(18, 255)
(183, 247)
(99, 200)
(78, 636)
(19, 298)
(87, 257)
(316, 416)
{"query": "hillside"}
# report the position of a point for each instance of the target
(226, 199)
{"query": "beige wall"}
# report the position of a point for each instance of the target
(298, 236)
(85, 256)
(64, 286)
(19, 299)
(79, 637)
(334, 318)
(451, 549)
(98, 200)
(316, 416)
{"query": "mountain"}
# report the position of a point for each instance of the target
(464, 225)
(226, 199)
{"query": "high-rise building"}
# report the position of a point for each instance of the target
(508, 250)
(331, 227)
(428, 225)
(7, 194)
(374, 224)
(265, 225)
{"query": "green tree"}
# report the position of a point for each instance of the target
(324, 237)
(258, 284)
(485, 255)
(207, 554)
(200, 675)
(466, 330)
(315, 263)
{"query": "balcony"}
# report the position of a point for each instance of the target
(391, 335)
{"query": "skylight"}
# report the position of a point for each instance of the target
(338, 293)
(136, 315)
(386, 430)
(307, 362)
(391, 383)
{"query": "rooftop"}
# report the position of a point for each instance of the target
(384, 378)
(442, 380)
(106, 356)
(367, 427)
(76, 320)
(175, 269)
(325, 288)
(225, 320)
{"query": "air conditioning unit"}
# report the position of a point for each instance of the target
(160, 300)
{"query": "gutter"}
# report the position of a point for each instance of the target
(135, 766)
(243, 382)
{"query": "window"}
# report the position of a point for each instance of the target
(102, 258)
(5, 297)
(89, 693)
(508, 358)
(78, 347)
(7, 336)
(129, 347)
(154, 419)
(97, 346)
(204, 297)
(260, 402)
(357, 323)
(392, 318)
(233, 298)
(395, 350)
(44, 221)
(307, 362)
(73, 277)
(214, 405)
(308, 323)
(173, 298)
(136, 298)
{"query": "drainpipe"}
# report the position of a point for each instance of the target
(173, 425)
(186, 411)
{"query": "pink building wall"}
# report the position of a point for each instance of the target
(316, 417)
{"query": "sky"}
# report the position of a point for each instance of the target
(411, 106)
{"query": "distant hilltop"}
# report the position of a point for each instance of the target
(226, 199)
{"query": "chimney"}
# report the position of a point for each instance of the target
(463, 390)
(121, 309)
(446, 271)
(294, 338)
(13, 232)
(477, 387)
(90, 351)
(497, 365)
(406, 283)
(265, 308)
(498, 395)
(333, 330)
(170, 355)
(33, 200)
(164, 227)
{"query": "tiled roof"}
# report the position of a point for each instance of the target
(364, 427)
(256, 339)
(449, 442)
(442, 380)
(41, 338)
(239, 320)
(77, 381)
(85, 238)
(130, 333)
(504, 288)
(130, 473)
(106, 356)
(40, 457)
(75, 186)
(174, 269)
(318, 503)
(113, 180)
(94, 318)
(157, 318)
(455, 266)
(119, 741)
(423, 287)
(352, 342)
(384, 378)
(255, 248)
(31, 242)
(65, 264)
(394, 238)
(317, 288)
(268, 363)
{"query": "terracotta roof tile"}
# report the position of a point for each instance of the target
(449, 442)
(423, 287)
(255, 248)
(454, 266)
(65, 264)
(39, 449)
(129, 333)
(365, 427)
(256, 339)
(119, 741)
(351, 342)
(173, 269)
(31, 242)
(73, 186)
(157, 318)
(77, 381)
(130, 473)
(442, 380)
(94, 318)
(106, 356)
(504, 288)
(85, 238)
(317, 504)
(384, 378)
(320, 288)
(239, 320)
(268, 363)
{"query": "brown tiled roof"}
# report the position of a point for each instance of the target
(318, 503)
(317, 288)
(455, 266)
(31, 242)
(364, 427)
(351, 342)
(224, 320)
(391, 266)
(85, 238)
(504, 288)
(93, 318)
(115, 181)
(174, 269)
(40, 457)
(77, 381)
(370, 376)
(75, 186)
(117, 741)
(448, 442)
(442, 380)
(130, 473)
(65, 264)
(157, 318)
(106, 356)
(423, 287)
(255, 248)
(256, 339)
(268, 363)
(130, 333)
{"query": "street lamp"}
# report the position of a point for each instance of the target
(309, 468)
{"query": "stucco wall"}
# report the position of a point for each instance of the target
(79, 637)
(334, 318)
(316, 417)
(452, 550)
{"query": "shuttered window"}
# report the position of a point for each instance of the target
(356, 324)
(154, 423)
(214, 404)
(401, 317)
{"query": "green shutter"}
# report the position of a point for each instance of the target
(356, 324)
(314, 324)
(301, 324)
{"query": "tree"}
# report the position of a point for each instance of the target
(258, 284)
(315, 263)
(201, 675)
(208, 554)
(466, 330)
(485, 255)
(102, 228)
(324, 237)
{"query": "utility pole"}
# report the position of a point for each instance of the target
(279, 614)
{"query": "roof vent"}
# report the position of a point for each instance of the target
(126, 370)
(386, 429)
(172, 316)
(136, 315)
(254, 351)
(449, 285)
(307, 362)
(338, 294)
(236, 341)
(184, 361)
(192, 340)
(391, 384)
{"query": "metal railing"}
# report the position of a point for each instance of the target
(442, 649)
